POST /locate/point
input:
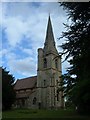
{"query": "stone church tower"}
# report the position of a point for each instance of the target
(49, 73)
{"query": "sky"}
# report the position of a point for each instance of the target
(23, 29)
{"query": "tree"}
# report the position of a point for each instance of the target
(8, 93)
(77, 48)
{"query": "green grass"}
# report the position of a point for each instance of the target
(30, 113)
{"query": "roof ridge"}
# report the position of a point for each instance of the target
(26, 78)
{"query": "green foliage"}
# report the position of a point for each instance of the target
(8, 93)
(77, 49)
(40, 113)
(82, 98)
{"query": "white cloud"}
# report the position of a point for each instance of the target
(3, 52)
(25, 22)
(26, 19)
(29, 0)
(15, 29)
(0, 13)
(28, 51)
(24, 66)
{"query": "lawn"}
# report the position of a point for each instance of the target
(28, 113)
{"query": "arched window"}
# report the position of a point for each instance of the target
(57, 95)
(44, 83)
(34, 100)
(45, 63)
(56, 82)
(56, 63)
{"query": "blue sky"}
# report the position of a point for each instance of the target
(23, 27)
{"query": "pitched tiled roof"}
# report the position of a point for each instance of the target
(26, 83)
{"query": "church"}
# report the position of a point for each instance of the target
(41, 91)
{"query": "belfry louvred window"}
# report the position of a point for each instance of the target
(56, 63)
(45, 63)
(57, 95)
(44, 83)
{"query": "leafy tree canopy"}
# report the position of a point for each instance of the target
(77, 48)
(8, 93)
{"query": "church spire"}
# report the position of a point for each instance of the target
(49, 33)
(49, 45)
